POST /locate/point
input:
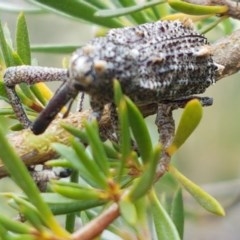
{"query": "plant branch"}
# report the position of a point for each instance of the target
(37, 149)
(98, 224)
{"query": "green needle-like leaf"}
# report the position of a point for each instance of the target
(98, 152)
(125, 139)
(124, 134)
(6, 50)
(213, 24)
(75, 191)
(55, 49)
(164, 227)
(77, 9)
(107, 13)
(128, 211)
(100, 4)
(118, 95)
(144, 183)
(140, 131)
(62, 205)
(3, 93)
(190, 118)
(20, 175)
(60, 162)
(14, 226)
(203, 198)
(78, 133)
(22, 40)
(195, 9)
(4, 233)
(30, 213)
(90, 165)
(177, 212)
(78, 158)
(23, 56)
(14, 8)
(139, 17)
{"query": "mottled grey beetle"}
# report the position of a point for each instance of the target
(154, 62)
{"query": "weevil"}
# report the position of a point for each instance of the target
(165, 61)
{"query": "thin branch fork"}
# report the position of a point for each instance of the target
(37, 149)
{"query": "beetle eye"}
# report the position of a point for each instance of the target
(81, 70)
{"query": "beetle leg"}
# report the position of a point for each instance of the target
(29, 75)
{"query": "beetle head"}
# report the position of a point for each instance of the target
(85, 69)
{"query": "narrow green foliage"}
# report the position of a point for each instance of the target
(23, 236)
(19, 173)
(142, 225)
(99, 4)
(139, 17)
(6, 111)
(30, 212)
(54, 49)
(77, 159)
(14, 8)
(164, 227)
(3, 93)
(125, 139)
(14, 226)
(92, 168)
(111, 152)
(70, 222)
(190, 119)
(84, 217)
(124, 134)
(75, 191)
(97, 148)
(4, 233)
(77, 9)
(128, 211)
(213, 24)
(24, 54)
(78, 133)
(71, 217)
(6, 50)
(16, 58)
(61, 205)
(60, 162)
(228, 26)
(108, 13)
(177, 212)
(26, 95)
(22, 40)
(195, 9)
(118, 95)
(140, 131)
(203, 198)
(145, 181)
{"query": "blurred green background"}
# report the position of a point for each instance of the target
(211, 156)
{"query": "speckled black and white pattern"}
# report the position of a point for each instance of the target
(159, 61)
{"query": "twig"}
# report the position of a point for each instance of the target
(98, 224)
